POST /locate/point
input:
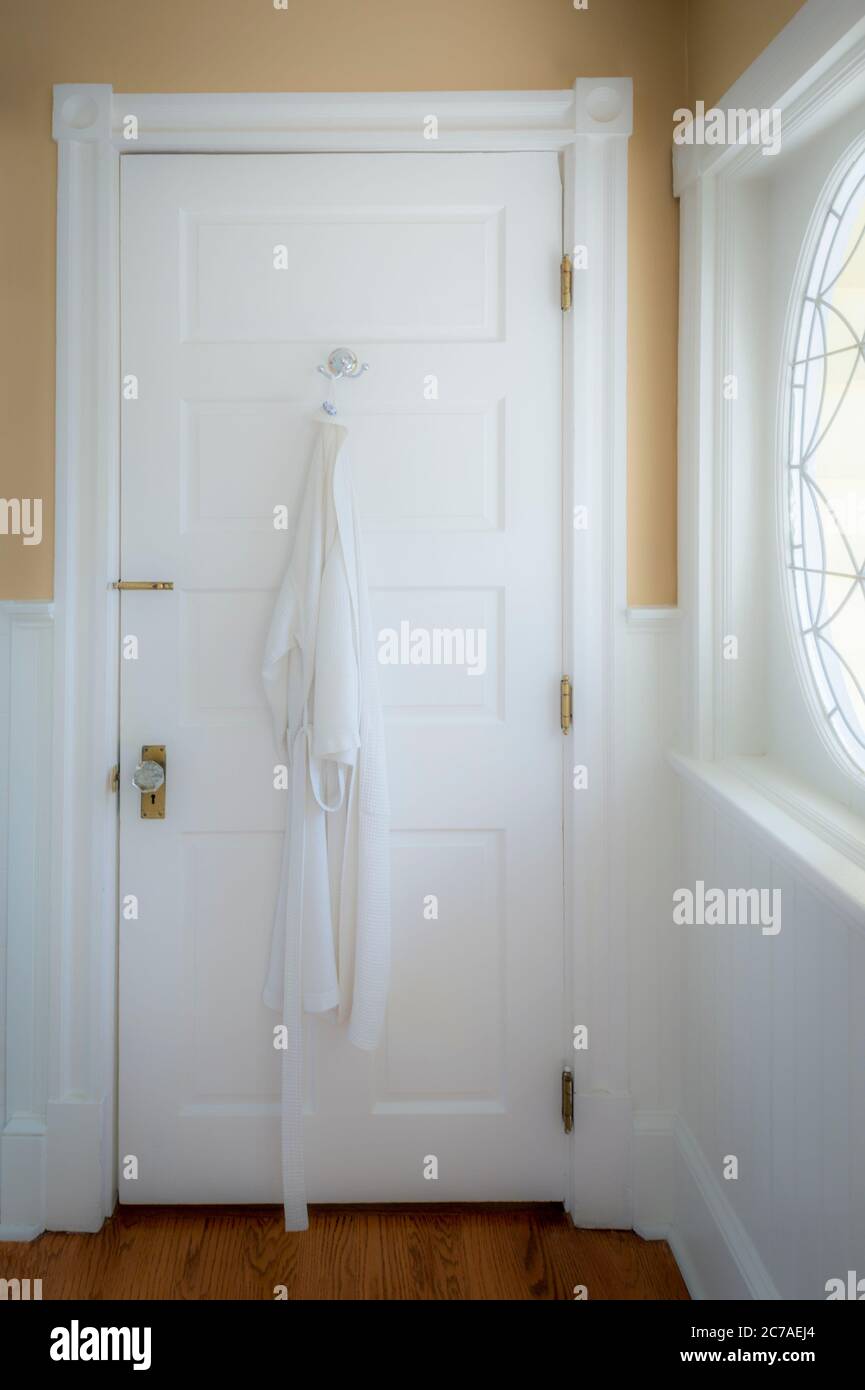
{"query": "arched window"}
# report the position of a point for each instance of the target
(824, 512)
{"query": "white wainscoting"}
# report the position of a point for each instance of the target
(26, 651)
(772, 1049)
(647, 869)
(648, 721)
(625, 1082)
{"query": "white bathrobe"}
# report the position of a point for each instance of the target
(331, 935)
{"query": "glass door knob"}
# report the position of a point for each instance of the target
(148, 776)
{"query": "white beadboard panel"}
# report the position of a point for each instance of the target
(627, 1080)
(26, 648)
(648, 799)
(645, 864)
(773, 1050)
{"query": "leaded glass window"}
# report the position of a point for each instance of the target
(826, 471)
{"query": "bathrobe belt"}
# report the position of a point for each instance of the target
(303, 764)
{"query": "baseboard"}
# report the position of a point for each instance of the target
(19, 1233)
(731, 1267)
(679, 1198)
(603, 1132)
(22, 1179)
(75, 1180)
(652, 1179)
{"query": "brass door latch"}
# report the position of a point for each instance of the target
(143, 584)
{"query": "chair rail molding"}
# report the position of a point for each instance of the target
(94, 127)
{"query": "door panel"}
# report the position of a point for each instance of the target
(441, 272)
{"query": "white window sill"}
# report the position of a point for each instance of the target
(817, 838)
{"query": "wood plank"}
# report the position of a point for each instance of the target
(434, 1252)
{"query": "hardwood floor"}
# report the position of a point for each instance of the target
(434, 1252)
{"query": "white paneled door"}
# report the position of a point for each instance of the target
(239, 275)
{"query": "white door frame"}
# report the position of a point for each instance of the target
(65, 1176)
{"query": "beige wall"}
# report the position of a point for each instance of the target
(322, 45)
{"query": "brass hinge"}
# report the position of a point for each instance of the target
(566, 712)
(567, 282)
(114, 778)
(568, 1100)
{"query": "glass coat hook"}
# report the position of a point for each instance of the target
(342, 362)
